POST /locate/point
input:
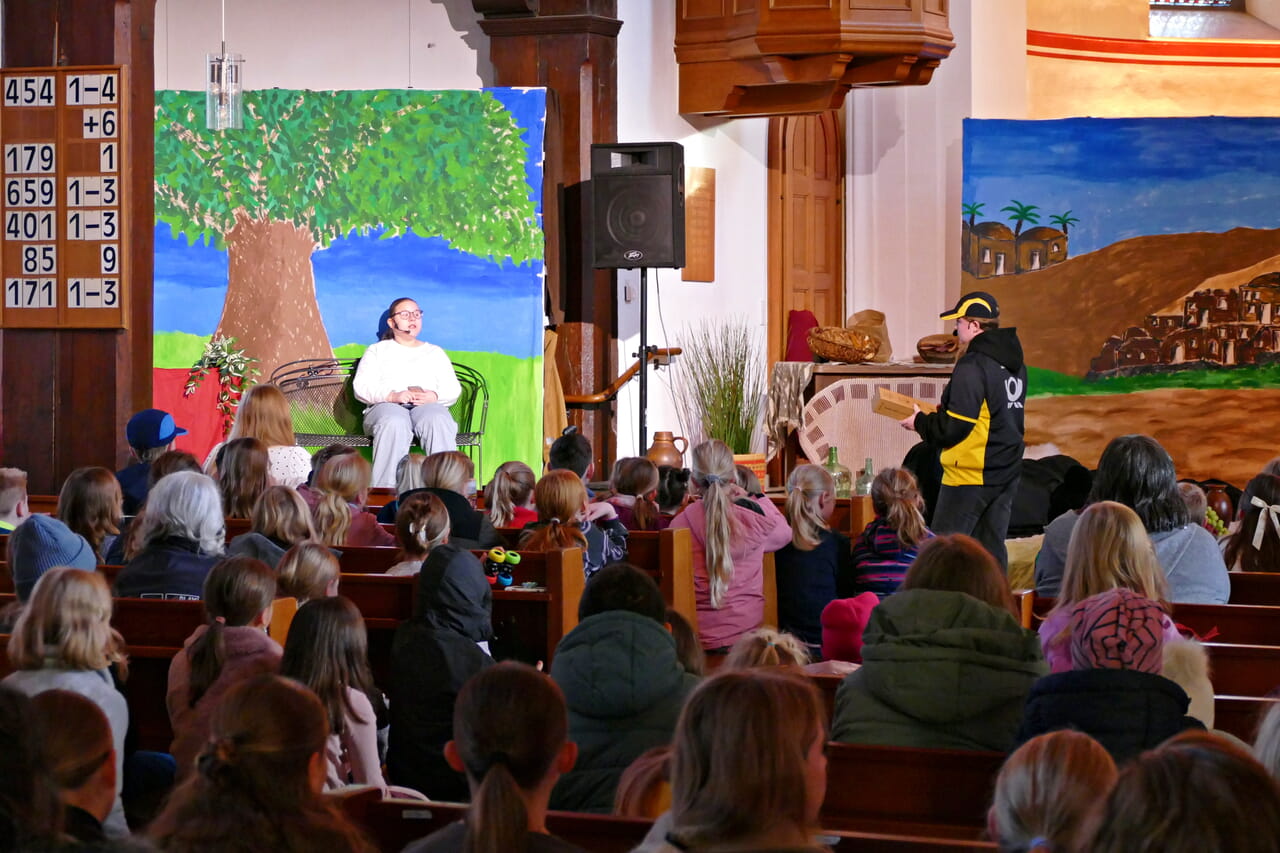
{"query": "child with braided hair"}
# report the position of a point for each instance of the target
(886, 548)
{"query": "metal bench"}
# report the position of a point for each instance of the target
(326, 411)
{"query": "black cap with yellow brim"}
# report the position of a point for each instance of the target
(977, 304)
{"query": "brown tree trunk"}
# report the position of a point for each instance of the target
(271, 307)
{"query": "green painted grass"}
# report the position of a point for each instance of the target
(514, 426)
(1045, 383)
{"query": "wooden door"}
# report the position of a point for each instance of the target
(806, 222)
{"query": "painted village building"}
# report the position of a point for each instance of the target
(1215, 327)
(990, 249)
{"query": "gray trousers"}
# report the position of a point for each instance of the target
(393, 427)
(978, 511)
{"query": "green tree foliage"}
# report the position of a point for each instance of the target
(437, 164)
(1064, 221)
(1021, 214)
(972, 209)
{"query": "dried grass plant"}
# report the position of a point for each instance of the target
(718, 383)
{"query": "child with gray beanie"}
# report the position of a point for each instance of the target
(41, 543)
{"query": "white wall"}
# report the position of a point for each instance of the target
(737, 149)
(905, 170)
(326, 44)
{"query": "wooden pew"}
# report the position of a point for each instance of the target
(42, 504)
(1255, 588)
(667, 557)
(930, 792)
(850, 517)
(540, 618)
(393, 824)
(1240, 715)
(1234, 624)
(1244, 670)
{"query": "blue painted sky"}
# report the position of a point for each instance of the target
(356, 277)
(1128, 177)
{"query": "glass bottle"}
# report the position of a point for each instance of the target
(842, 475)
(863, 486)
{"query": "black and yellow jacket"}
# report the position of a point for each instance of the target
(978, 426)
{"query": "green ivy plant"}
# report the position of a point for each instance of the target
(235, 368)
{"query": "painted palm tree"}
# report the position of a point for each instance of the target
(1020, 214)
(1064, 221)
(973, 209)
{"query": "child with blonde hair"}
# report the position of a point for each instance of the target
(567, 520)
(1109, 549)
(509, 495)
(343, 489)
(308, 570)
(815, 567)
(766, 646)
(421, 524)
(889, 543)
(731, 533)
(635, 490)
(64, 641)
(280, 519)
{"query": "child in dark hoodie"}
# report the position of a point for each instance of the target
(623, 681)
(888, 545)
(432, 656)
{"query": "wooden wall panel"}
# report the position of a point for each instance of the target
(66, 394)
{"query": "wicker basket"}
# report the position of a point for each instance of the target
(838, 344)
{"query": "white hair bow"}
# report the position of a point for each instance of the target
(1271, 511)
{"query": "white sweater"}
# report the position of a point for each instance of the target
(387, 367)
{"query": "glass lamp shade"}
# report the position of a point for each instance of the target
(224, 91)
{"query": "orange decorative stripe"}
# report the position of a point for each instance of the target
(1210, 48)
(1150, 61)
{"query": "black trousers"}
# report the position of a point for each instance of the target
(978, 511)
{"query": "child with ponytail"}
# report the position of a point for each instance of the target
(731, 532)
(510, 730)
(816, 563)
(635, 490)
(342, 487)
(230, 648)
(421, 524)
(888, 545)
(566, 520)
(509, 495)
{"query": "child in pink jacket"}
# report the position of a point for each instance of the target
(731, 533)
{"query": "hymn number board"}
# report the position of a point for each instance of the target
(62, 250)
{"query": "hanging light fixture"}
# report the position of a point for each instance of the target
(223, 93)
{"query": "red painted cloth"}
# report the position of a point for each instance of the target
(197, 414)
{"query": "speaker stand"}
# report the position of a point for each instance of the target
(643, 355)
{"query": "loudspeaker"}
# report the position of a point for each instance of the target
(637, 205)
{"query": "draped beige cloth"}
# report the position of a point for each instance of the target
(785, 405)
(555, 414)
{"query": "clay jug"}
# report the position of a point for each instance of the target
(1219, 501)
(664, 450)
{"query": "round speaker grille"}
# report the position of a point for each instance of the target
(628, 217)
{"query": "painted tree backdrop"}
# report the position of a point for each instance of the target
(434, 195)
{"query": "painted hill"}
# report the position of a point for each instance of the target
(1065, 312)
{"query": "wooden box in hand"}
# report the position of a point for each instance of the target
(891, 404)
